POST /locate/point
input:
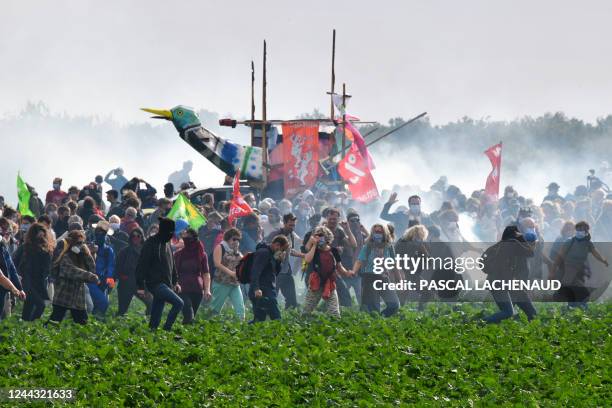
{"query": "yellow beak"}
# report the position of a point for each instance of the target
(161, 113)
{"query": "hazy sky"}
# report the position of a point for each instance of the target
(480, 58)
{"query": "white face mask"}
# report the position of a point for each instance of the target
(115, 226)
(76, 249)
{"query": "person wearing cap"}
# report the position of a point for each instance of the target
(105, 269)
(56, 195)
(553, 193)
(284, 279)
(156, 270)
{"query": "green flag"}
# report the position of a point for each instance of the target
(184, 209)
(24, 197)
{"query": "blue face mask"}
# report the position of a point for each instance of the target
(530, 235)
(322, 241)
(581, 234)
(377, 237)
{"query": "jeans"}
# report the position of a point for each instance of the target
(286, 286)
(99, 299)
(355, 283)
(191, 303)
(265, 306)
(220, 292)
(370, 297)
(505, 299)
(161, 295)
(58, 313)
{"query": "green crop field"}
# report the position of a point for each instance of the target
(441, 357)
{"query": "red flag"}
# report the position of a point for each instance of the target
(238, 207)
(494, 153)
(301, 155)
(354, 170)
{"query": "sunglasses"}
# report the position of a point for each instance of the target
(235, 239)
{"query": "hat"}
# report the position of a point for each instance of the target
(553, 186)
(104, 226)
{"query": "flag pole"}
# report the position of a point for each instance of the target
(396, 129)
(343, 118)
(252, 102)
(264, 141)
(333, 76)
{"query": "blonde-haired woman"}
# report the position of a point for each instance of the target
(412, 245)
(324, 265)
(373, 277)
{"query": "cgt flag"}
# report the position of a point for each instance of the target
(238, 207)
(184, 209)
(354, 170)
(494, 153)
(23, 193)
(301, 155)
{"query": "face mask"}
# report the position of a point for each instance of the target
(115, 226)
(452, 226)
(581, 234)
(530, 235)
(279, 255)
(377, 237)
(415, 208)
(76, 249)
(56, 187)
(25, 227)
(322, 241)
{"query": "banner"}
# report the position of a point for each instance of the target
(354, 170)
(184, 209)
(301, 154)
(238, 207)
(23, 193)
(494, 153)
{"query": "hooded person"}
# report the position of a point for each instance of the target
(157, 272)
(125, 273)
(105, 269)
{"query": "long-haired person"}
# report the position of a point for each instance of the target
(73, 268)
(225, 284)
(324, 267)
(33, 260)
(378, 245)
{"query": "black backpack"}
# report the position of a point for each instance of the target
(245, 265)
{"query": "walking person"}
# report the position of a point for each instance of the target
(156, 270)
(125, 273)
(73, 268)
(225, 284)
(262, 289)
(324, 266)
(378, 245)
(193, 274)
(33, 260)
(505, 261)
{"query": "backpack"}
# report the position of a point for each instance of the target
(243, 269)
(489, 258)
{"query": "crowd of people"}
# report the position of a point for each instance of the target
(77, 250)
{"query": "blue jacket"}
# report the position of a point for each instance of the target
(105, 263)
(8, 267)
